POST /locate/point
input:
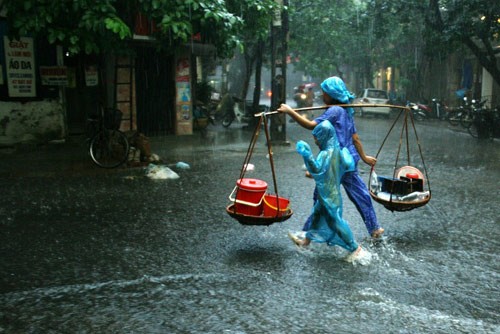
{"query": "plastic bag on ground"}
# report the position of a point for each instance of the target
(182, 165)
(156, 172)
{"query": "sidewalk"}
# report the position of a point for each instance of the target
(50, 159)
(70, 156)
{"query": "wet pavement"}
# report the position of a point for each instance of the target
(88, 250)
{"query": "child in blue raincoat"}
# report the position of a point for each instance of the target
(327, 168)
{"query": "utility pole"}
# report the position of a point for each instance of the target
(279, 45)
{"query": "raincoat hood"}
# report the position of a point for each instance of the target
(324, 132)
(335, 87)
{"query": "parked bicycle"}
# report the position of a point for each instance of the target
(108, 146)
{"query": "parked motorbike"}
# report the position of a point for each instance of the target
(241, 112)
(454, 115)
(440, 109)
(202, 117)
(464, 114)
(418, 112)
(470, 111)
(202, 111)
(423, 111)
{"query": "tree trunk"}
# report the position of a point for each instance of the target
(249, 61)
(258, 75)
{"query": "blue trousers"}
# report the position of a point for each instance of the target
(358, 193)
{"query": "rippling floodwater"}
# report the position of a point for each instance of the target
(120, 253)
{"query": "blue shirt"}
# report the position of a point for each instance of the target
(344, 127)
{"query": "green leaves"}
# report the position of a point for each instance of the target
(55, 36)
(80, 25)
(94, 26)
(370, 34)
(117, 26)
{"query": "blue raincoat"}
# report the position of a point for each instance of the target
(327, 169)
(343, 122)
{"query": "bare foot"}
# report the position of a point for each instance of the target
(378, 233)
(298, 241)
(354, 255)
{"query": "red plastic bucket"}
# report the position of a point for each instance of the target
(271, 206)
(249, 196)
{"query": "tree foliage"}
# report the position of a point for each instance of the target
(331, 36)
(474, 23)
(319, 35)
(254, 33)
(328, 36)
(90, 26)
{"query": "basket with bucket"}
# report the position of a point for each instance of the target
(251, 204)
(407, 188)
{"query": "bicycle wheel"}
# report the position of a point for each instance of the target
(109, 148)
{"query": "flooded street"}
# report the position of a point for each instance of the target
(117, 252)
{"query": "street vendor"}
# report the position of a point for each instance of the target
(335, 92)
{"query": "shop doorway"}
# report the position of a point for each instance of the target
(155, 89)
(82, 97)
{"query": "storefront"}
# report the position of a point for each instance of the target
(31, 108)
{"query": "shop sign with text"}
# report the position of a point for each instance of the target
(20, 67)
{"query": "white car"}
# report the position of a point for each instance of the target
(373, 96)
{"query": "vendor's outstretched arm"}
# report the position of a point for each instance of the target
(359, 147)
(302, 120)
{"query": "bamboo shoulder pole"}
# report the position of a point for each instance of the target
(355, 105)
